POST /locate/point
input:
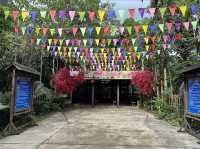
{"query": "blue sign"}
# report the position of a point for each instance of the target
(194, 97)
(23, 95)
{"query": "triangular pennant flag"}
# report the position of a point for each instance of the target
(106, 29)
(45, 30)
(52, 14)
(178, 26)
(15, 14)
(109, 42)
(82, 15)
(61, 42)
(194, 24)
(194, 8)
(101, 14)
(48, 48)
(138, 55)
(85, 42)
(91, 15)
(132, 13)
(146, 39)
(33, 15)
(98, 29)
(72, 15)
(153, 28)
(152, 11)
(121, 30)
(145, 28)
(83, 30)
(161, 26)
(37, 30)
(135, 49)
(147, 47)
(90, 30)
(49, 41)
(67, 42)
(38, 41)
(62, 14)
(169, 26)
(6, 13)
(137, 28)
(133, 41)
(165, 38)
(60, 31)
(52, 31)
(121, 14)
(97, 42)
(162, 11)
(23, 29)
(141, 11)
(111, 14)
(30, 30)
(113, 30)
(129, 29)
(183, 9)
(24, 15)
(153, 39)
(186, 25)
(172, 9)
(55, 41)
(74, 30)
(43, 13)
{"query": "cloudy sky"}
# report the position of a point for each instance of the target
(126, 4)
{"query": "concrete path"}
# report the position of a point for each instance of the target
(102, 127)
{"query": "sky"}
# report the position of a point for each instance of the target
(126, 4)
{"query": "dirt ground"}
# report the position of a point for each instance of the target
(101, 127)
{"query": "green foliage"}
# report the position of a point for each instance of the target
(5, 98)
(45, 101)
(164, 111)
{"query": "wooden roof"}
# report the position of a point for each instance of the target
(24, 68)
(191, 68)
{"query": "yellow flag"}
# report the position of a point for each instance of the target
(145, 28)
(146, 39)
(147, 47)
(183, 9)
(102, 50)
(37, 30)
(97, 42)
(24, 15)
(138, 56)
(101, 14)
(98, 29)
(49, 41)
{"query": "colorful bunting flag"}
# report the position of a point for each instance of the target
(101, 14)
(72, 15)
(82, 15)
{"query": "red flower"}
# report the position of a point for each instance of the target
(144, 81)
(64, 83)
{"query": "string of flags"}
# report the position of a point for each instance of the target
(109, 30)
(101, 14)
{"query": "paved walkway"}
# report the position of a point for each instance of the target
(102, 127)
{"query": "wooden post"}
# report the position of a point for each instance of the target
(93, 95)
(41, 69)
(11, 128)
(118, 94)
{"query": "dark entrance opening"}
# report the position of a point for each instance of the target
(105, 92)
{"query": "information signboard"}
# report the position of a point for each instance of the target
(23, 95)
(194, 96)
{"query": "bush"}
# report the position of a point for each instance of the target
(5, 98)
(46, 101)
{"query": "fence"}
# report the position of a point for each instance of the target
(177, 104)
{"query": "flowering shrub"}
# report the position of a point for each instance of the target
(63, 82)
(144, 81)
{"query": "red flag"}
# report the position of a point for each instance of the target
(172, 9)
(132, 13)
(91, 15)
(52, 14)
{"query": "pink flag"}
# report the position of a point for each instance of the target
(72, 15)
(137, 28)
(169, 26)
(16, 29)
(132, 13)
(164, 46)
(165, 38)
(172, 9)
(60, 31)
(91, 15)
(67, 42)
(74, 30)
(152, 11)
(15, 14)
(52, 14)
(121, 30)
(186, 25)
(45, 30)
